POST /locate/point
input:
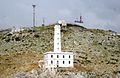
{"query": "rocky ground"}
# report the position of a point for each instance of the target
(97, 52)
(41, 73)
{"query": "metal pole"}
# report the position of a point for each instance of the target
(43, 24)
(34, 15)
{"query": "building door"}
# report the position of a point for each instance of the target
(57, 63)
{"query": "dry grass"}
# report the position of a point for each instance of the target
(96, 50)
(15, 62)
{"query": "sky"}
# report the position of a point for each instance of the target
(97, 14)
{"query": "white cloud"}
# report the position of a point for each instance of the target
(96, 13)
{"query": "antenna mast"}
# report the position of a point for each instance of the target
(43, 22)
(34, 15)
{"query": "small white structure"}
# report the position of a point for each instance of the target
(18, 29)
(118, 33)
(62, 22)
(58, 58)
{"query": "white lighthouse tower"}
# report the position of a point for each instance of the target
(57, 58)
(57, 38)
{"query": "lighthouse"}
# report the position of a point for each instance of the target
(57, 38)
(57, 58)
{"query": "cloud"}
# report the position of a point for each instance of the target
(104, 14)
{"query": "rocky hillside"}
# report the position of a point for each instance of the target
(97, 52)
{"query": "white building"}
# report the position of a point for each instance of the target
(62, 22)
(16, 29)
(58, 58)
(118, 33)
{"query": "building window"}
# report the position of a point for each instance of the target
(51, 56)
(58, 38)
(63, 62)
(51, 62)
(69, 62)
(63, 56)
(57, 43)
(58, 48)
(69, 56)
(57, 62)
(57, 33)
(57, 56)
